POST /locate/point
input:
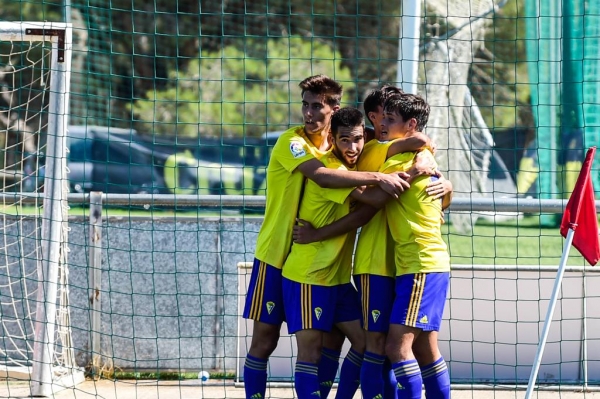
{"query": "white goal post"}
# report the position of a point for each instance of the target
(35, 67)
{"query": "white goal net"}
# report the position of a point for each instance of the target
(35, 336)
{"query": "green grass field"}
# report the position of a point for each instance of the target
(522, 242)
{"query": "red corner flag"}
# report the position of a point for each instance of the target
(580, 214)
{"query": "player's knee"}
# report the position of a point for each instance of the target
(263, 348)
(397, 351)
(376, 343)
(425, 355)
(334, 340)
(264, 343)
(392, 350)
(309, 353)
(358, 340)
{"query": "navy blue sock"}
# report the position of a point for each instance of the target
(306, 380)
(371, 376)
(408, 377)
(255, 377)
(436, 380)
(330, 362)
(349, 375)
(390, 385)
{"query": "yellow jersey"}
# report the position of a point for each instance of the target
(328, 262)
(415, 222)
(284, 187)
(374, 248)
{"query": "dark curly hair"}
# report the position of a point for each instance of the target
(346, 117)
(409, 106)
(377, 97)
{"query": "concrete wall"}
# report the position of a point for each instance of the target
(169, 290)
(170, 297)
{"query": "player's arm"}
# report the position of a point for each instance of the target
(372, 195)
(413, 143)
(305, 233)
(372, 199)
(393, 184)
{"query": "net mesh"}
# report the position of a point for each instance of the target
(455, 123)
(25, 75)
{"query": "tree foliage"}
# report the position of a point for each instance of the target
(236, 92)
(127, 53)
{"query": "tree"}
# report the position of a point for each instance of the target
(235, 92)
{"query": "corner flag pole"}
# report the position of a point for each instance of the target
(550, 313)
(579, 226)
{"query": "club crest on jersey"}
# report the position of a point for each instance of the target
(270, 306)
(318, 313)
(297, 149)
(375, 314)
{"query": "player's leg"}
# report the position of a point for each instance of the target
(404, 364)
(309, 313)
(405, 326)
(433, 367)
(330, 359)
(348, 321)
(376, 303)
(264, 305)
(306, 378)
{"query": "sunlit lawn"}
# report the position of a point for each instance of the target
(521, 242)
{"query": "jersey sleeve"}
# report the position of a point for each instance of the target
(337, 195)
(291, 150)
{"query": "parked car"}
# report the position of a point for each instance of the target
(111, 160)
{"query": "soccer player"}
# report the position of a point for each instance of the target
(318, 293)
(294, 158)
(373, 106)
(374, 267)
(422, 265)
(373, 262)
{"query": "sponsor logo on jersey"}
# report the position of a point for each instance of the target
(297, 149)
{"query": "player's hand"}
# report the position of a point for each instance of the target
(432, 146)
(439, 188)
(304, 232)
(423, 166)
(394, 183)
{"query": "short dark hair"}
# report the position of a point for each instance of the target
(377, 97)
(346, 117)
(409, 106)
(324, 86)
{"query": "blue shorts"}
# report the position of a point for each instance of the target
(377, 302)
(348, 304)
(420, 300)
(319, 307)
(264, 300)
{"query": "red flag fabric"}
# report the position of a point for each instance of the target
(580, 214)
